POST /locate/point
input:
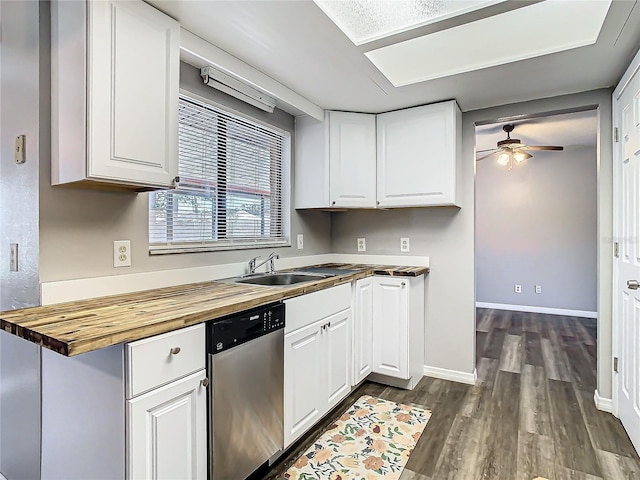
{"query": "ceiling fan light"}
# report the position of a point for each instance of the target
(519, 157)
(503, 159)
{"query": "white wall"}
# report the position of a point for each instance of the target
(536, 225)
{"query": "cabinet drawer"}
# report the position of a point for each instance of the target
(151, 363)
(309, 308)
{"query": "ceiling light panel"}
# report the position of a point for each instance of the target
(532, 31)
(367, 20)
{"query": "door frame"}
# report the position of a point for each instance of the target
(632, 70)
(600, 101)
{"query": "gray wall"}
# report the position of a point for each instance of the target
(447, 237)
(20, 90)
(536, 225)
(78, 227)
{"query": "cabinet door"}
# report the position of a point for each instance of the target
(417, 156)
(391, 327)
(337, 338)
(133, 80)
(167, 432)
(304, 374)
(352, 157)
(362, 329)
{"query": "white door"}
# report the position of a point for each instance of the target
(362, 329)
(417, 156)
(337, 338)
(627, 170)
(304, 374)
(352, 154)
(391, 327)
(167, 432)
(133, 93)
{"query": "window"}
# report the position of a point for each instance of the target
(230, 195)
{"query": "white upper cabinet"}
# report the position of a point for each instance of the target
(115, 80)
(336, 161)
(418, 150)
(352, 159)
(406, 158)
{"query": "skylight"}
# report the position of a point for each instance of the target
(532, 31)
(367, 20)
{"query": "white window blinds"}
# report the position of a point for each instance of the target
(230, 192)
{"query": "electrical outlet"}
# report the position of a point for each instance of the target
(538, 288)
(404, 244)
(13, 257)
(300, 241)
(518, 288)
(121, 253)
(362, 245)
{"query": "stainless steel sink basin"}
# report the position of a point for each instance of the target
(278, 279)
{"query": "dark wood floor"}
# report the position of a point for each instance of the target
(531, 413)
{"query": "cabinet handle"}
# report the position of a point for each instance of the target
(403, 284)
(174, 351)
(204, 382)
(176, 179)
(333, 203)
(329, 325)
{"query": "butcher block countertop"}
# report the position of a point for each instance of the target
(82, 326)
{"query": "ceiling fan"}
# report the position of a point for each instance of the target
(512, 150)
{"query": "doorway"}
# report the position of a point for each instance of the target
(536, 246)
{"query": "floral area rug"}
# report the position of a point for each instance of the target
(371, 440)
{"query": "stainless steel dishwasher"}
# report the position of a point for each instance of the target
(246, 404)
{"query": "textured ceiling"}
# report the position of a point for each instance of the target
(295, 43)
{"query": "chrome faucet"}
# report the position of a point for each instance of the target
(271, 259)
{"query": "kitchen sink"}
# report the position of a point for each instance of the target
(278, 279)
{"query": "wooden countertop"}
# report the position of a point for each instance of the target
(78, 327)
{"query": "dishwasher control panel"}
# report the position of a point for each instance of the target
(239, 328)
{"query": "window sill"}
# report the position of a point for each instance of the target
(177, 248)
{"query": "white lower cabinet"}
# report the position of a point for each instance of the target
(388, 330)
(391, 326)
(166, 423)
(362, 329)
(166, 431)
(130, 411)
(317, 357)
(337, 338)
(302, 372)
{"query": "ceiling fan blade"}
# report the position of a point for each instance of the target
(486, 150)
(486, 156)
(541, 147)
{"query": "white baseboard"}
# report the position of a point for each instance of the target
(453, 375)
(604, 404)
(531, 309)
(84, 288)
